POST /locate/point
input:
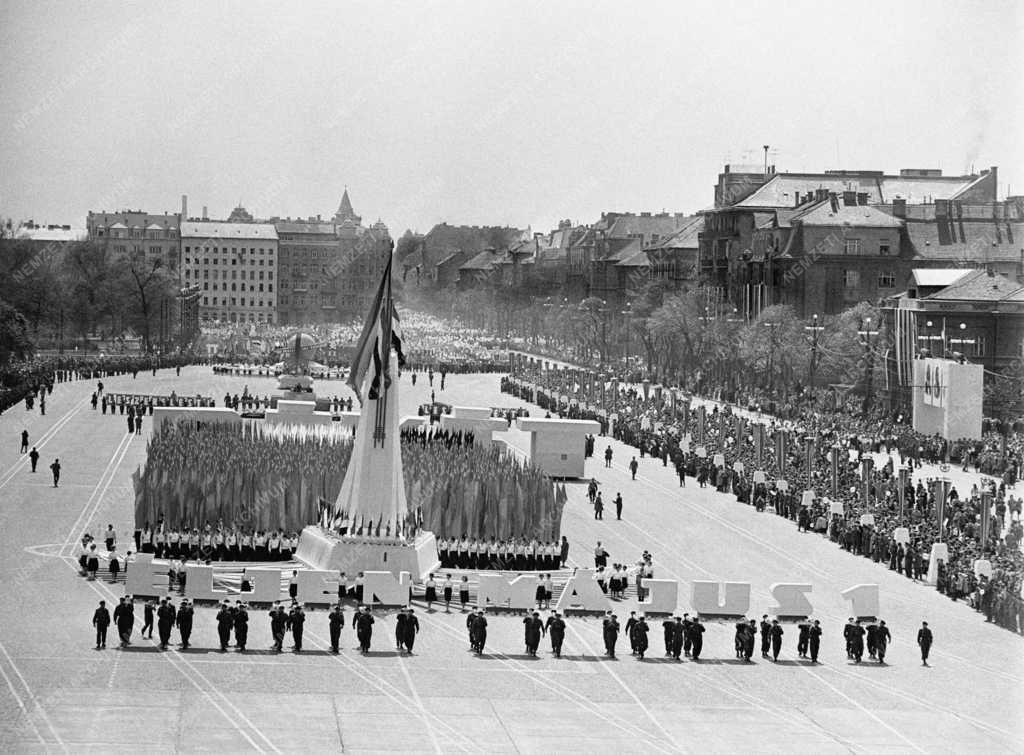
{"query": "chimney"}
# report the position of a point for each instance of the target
(849, 199)
(205, 217)
(184, 206)
(899, 208)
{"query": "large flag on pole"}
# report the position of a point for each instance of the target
(380, 334)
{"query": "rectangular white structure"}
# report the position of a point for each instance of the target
(557, 445)
(947, 398)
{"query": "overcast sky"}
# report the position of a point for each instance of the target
(502, 113)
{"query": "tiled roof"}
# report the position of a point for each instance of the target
(628, 225)
(685, 238)
(782, 188)
(970, 241)
(638, 258)
(928, 277)
(482, 261)
(981, 285)
(206, 230)
(862, 216)
(285, 226)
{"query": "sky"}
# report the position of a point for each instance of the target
(502, 113)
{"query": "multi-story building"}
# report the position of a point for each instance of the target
(750, 275)
(235, 266)
(329, 270)
(156, 236)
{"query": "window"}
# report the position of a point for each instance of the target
(851, 279)
(884, 250)
(270, 287)
(887, 280)
(206, 287)
(851, 246)
(206, 301)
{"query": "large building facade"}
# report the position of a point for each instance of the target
(155, 236)
(235, 267)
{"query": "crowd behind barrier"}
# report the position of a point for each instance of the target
(25, 380)
(705, 445)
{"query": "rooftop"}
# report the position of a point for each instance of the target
(216, 229)
(981, 285)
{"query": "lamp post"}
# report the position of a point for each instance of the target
(814, 329)
(865, 334)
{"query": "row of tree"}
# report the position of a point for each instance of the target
(68, 292)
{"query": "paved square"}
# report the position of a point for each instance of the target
(58, 694)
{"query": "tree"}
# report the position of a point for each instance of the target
(14, 338)
(774, 347)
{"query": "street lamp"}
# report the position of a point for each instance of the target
(814, 329)
(628, 314)
(865, 334)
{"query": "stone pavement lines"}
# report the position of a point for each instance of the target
(885, 688)
(802, 564)
(760, 541)
(45, 438)
(570, 695)
(25, 715)
(93, 502)
(383, 685)
(181, 664)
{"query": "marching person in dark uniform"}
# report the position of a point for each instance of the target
(740, 637)
(101, 620)
(336, 621)
(278, 624)
(412, 628)
(469, 628)
(148, 609)
(480, 632)
(225, 620)
(924, 641)
(24, 441)
(640, 630)
(532, 629)
(749, 640)
(297, 619)
(687, 641)
(872, 639)
(400, 618)
(678, 632)
(669, 632)
(610, 630)
(33, 457)
(814, 640)
(633, 466)
(631, 623)
(124, 617)
(803, 639)
(848, 636)
(165, 617)
(882, 639)
(555, 627)
(363, 624)
(186, 613)
(55, 468)
(618, 505)
(776, 640)
(766, 636)
(241, 626)
(857, 641)
(696, 638)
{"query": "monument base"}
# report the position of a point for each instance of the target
(324, 550)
